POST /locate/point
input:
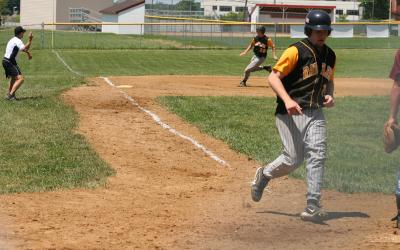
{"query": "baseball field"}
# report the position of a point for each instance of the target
(155, 148)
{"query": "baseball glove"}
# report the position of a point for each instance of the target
(391, 137)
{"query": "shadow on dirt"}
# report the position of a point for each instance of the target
(330, 216)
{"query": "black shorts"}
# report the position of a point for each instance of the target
(11, 69)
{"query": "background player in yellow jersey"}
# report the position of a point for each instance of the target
(303, 82)
(260, 45)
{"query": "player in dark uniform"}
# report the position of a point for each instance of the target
(303, 82)
(260, 45)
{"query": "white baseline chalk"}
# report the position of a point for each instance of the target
(164, 125)
(65, 64)
(155, 117)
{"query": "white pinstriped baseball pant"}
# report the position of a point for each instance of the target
(254, 65)
(303, 138)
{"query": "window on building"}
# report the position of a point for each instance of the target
(225, 8)
(339, 12)
(215, 7)
(352, 12)
(240, 9)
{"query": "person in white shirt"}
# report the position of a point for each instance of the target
(11, 68)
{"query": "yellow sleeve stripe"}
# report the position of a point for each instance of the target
(288, 61)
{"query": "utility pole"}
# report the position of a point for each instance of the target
(245, 11)
(373, 8)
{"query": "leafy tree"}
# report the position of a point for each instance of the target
(375, 9)
(13, 3)
(342, 18)
(188, 5)
(7, 6)
(233, 16)
(3, 6)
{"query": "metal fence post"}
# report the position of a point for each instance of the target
(211, 26)
(52, 36)
(221, 30)
(275, 26)
(184, 34)
(141, 35)
(95, 36)
(42, 37)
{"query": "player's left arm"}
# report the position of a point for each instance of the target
(28, 45)
(272, 46)
(394, 102)
(329, 101)
(395, 92)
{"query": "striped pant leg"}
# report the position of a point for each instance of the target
(255, 65)
(315, 154)
(293, 148)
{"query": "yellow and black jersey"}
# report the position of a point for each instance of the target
(261, 45)
(306, 70)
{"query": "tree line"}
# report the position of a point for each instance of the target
(7, 6)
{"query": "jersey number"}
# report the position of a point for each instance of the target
(263, 50)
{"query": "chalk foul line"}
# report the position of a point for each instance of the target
(164, 125)
(155, 117)
(66, 64)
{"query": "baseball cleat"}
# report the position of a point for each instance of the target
(268, 68)
(397, 219)
(11, 97)
(243, 84)
(313, 213)
(258, 185)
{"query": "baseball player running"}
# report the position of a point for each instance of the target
(260, 45)
(395, 101)
(303, 82)
(11, 68)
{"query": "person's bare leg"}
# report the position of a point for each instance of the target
(11, 84)
(17, 84)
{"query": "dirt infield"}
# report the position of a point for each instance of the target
(168, 195)
(153, 86)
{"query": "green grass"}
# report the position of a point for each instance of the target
(350, 62)
(39, 149)
(357, 162)
(80, 40)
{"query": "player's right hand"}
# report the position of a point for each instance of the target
(30, 36)
(243, 53)
(293, 108)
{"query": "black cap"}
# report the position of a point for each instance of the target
(18, 30)
(261, 29)
(318, 20)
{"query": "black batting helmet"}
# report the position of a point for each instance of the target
(317, 20)
(261, 29)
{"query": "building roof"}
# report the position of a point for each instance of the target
(119, 7)
(296, 6)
